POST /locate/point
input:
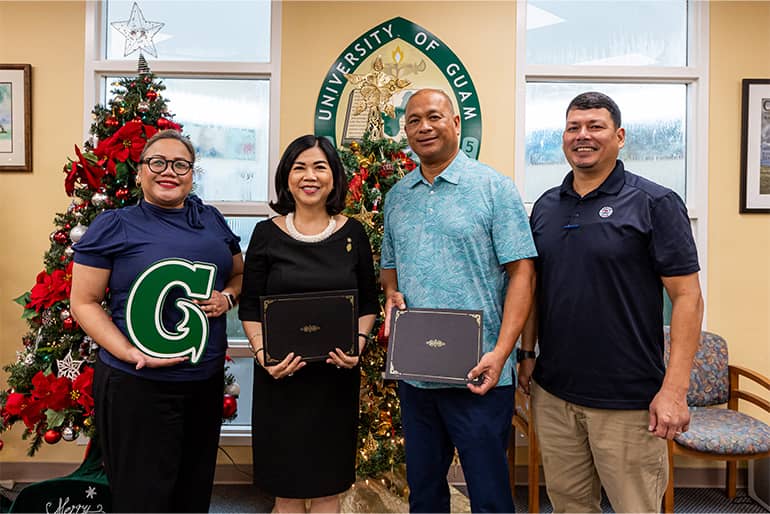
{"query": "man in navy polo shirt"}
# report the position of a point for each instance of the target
(608, 242)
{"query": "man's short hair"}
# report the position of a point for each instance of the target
(596, 100)
(433, 90)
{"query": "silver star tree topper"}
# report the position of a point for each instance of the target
(138, 32)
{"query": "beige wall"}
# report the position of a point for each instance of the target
(50, 37)
(480, 33)
(739, 244)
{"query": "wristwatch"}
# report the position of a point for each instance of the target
(230, 300)
(525, 354)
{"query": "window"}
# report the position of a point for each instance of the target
(222, 83)
(650, 57)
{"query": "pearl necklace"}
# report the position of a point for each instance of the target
(295, 234)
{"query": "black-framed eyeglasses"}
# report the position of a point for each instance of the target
(158, 165)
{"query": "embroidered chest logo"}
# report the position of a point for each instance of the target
(144, 309)
(605, 212)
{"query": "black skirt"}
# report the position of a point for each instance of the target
(304, 431)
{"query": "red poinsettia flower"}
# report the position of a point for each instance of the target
(82, 390)
(67, 278)
(127, 142)
(50, 289)
(25, 407)
(356, 187)
(88, 172)
(52, 392)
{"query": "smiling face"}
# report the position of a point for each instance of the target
(432, 128)
(591, 142)
(311, 179)
(166, 189)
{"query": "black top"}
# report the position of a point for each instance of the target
(599, 291)
(278, 264)
(304, 427)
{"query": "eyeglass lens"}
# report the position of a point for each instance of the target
(178, 166)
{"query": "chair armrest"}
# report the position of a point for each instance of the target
(738, 394)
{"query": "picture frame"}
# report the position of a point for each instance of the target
(755, 147)
(15, 117)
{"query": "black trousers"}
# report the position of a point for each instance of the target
(159, 440)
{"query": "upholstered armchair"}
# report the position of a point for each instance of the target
(719, 433)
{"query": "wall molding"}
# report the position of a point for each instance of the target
(27, 472)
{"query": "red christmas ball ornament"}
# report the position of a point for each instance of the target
(61, 237)
(69, 323)
(111, 122)
(123, 193)
(1, 444)
(151, 95)
(52, 436)
(229, 406)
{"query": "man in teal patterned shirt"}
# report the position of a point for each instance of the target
(457, 237)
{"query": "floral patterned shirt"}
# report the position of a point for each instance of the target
(448, 242)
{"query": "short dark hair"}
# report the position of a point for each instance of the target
(284, 204)
(596, 100)
(168, 134)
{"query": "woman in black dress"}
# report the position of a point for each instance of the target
(305, 415)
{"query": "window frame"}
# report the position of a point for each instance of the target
(694, 75)
(97, 68)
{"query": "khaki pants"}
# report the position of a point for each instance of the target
(584, 449)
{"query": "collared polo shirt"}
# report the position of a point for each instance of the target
(600, 295)
(448, 242)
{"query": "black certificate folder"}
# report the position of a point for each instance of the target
(309, 324)
(433, 345)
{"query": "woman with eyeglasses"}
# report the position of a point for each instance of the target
(173, 269)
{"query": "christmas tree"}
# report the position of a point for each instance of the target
(50, 384)
(373, 166)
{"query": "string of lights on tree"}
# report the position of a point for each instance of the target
(50, 384)
(373, 166)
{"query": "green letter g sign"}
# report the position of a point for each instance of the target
(144, 309)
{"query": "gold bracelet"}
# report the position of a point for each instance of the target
(256, 352)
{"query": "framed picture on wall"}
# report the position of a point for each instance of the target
(755, 146)
(15, 117)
